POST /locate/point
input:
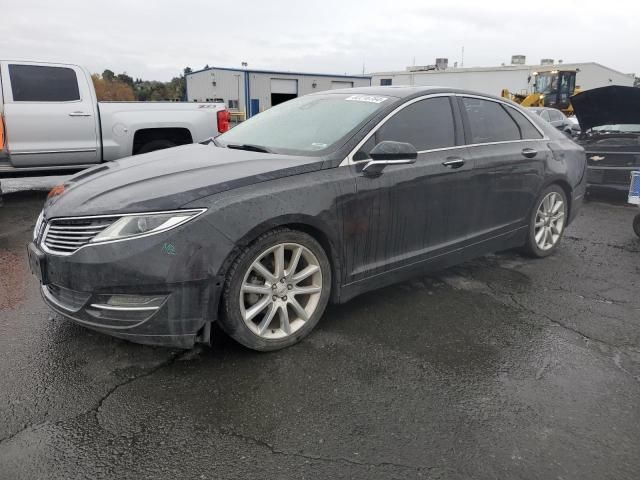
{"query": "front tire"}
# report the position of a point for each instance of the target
(636, 224)
(276, 290)
(547, 222)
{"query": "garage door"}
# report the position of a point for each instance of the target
(340, 84)
(284, 85)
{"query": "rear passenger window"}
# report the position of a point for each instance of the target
(426, 125)
(527, 130)
(34, 83)
(489, 122)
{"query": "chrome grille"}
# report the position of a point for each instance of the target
(65, 236)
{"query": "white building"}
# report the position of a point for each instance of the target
(253, 91)
(491, 80)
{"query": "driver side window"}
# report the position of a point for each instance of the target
(427, 124)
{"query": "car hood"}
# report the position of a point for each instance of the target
(607, 106)
(169, 179)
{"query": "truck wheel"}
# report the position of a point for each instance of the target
(156, 145)
(276, 290)
(636, 224)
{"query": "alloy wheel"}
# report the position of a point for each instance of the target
(549, 221)
(280, 291)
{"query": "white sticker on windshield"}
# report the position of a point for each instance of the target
(367, 98)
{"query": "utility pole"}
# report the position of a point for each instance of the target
(462, 59)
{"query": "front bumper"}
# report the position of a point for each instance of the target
(178, 322)
(182, 284)
(610, 178)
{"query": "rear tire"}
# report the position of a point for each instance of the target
(276, 290)
(156, 145)
(547, 223)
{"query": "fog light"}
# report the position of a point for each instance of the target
(133, 301)
(129, 302)
(123, 310)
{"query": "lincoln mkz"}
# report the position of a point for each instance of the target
(313, 201)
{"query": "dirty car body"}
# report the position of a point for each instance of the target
(610, 121)
(463, 196)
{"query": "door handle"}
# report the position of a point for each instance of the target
(79, 114)
(529, 152)
(453, 162)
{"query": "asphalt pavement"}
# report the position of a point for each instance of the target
(502, 368)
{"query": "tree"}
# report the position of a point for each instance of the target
(124, 78)
(114, 90)
(123, 87)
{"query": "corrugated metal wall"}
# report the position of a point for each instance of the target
(228, 85)
(215, 83)
(493, 80)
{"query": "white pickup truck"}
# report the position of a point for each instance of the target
(50, 119)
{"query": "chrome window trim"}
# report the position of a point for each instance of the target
(197, 211)
(589, 152)
(605, 167)
(349, 158)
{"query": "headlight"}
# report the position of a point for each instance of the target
(144, 224)
(36, 229)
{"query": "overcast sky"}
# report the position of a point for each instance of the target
(156, 39)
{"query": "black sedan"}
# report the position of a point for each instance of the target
(316, 200)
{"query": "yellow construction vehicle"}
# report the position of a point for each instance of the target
(552, 88)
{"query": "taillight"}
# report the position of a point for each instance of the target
(224, 118)
(1, 132)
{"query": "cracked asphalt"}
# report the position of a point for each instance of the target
(503, 367)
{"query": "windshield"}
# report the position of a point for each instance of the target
(619, 128)
(314, 123)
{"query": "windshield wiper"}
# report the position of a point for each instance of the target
(249, 147)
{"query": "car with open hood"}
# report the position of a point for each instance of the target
(610, 122)
(318, 199)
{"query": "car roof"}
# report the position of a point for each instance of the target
(407, 91)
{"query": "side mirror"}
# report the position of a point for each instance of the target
(389, 153)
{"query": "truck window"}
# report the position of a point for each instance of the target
(35, 83)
